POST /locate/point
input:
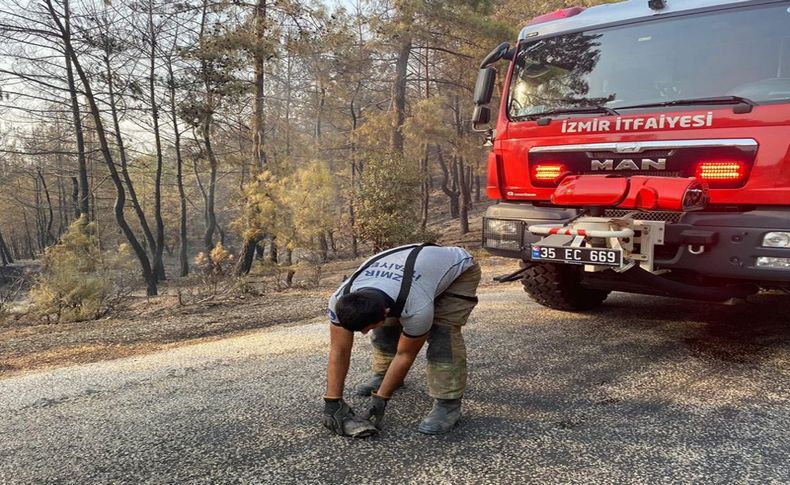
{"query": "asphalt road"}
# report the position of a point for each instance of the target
(645, 391)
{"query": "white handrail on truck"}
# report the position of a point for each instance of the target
(550, 229)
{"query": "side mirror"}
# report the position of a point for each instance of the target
(484, 88)
(481, 117)
(502, 51)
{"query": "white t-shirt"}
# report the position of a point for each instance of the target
(435, 269)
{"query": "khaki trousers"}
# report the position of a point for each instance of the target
(446, 349)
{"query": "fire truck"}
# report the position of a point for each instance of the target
(642, 147)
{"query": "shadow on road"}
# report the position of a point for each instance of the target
(735, 333)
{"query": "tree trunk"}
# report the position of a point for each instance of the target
(63, 208)
(477, 189)
(62, 204)
(259, 58)
(247, 256)
(352, 197)
(469, 186)
(425, 186)
(251, 242)
(82, 165)
(330, 235)
(127, 179)
(16, 245)
(211, 217)
(323, 246)
(4, 252)
(289, 274)
(205, 133)
(425, 190)
(183, 257)
(201, 187)
(464, 188)
(352, 216)
(319, 114)
(446, 188)
(75, 197)
(288, 92)
(405, 20)
(159, 247)
(273, 250)
(41, 244)
(48, 238)
(120, 199)
(399, 87)
(28, 238)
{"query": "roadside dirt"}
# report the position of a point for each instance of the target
(149, 325)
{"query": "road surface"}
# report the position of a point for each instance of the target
(648, 390)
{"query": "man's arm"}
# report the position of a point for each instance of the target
(408, 348)
(338, 416)
(340, 343)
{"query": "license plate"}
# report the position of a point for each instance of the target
(571, 255)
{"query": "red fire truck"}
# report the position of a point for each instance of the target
(642, 146)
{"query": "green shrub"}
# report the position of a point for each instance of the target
(388, 202)
(79, 281)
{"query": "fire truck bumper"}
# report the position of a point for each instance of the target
(749, 246)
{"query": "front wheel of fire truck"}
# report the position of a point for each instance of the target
(558, 286)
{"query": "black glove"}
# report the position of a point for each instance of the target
(335, 412)
(339, 417)
(375, 412)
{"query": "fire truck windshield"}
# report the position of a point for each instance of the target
(742, 52)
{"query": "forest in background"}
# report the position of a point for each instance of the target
(209, 132)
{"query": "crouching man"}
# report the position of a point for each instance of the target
(405, 297)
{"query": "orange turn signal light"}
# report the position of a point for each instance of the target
(721, 171)
(548, 172)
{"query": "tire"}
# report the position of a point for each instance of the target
(558, 286)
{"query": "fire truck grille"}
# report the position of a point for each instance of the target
(646, 154)
(645, 216)
(629, 173)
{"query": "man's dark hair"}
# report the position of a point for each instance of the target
(360, 309)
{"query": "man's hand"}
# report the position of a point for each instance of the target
(375, 412)
(335, 412)
(339, 417)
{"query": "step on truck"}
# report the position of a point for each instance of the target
(643, 147)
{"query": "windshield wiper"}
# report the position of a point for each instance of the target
(737, 100)
(570, 111)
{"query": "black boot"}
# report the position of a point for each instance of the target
(369, 385)
(443, 417)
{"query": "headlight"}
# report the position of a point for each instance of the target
(497, 227)
(773, 263)
(777, 240)
(503, 234)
